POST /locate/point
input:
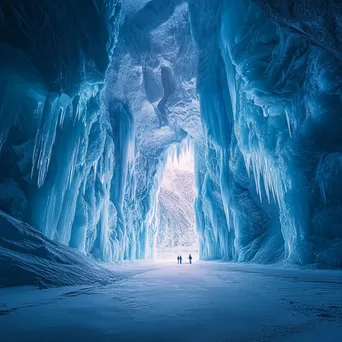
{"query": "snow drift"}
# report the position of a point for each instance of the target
(27, 257)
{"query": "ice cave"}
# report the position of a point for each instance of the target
(135, 131)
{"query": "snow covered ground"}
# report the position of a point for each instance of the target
(206, 301)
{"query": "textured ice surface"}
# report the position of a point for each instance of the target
(81, 164)
(57, 153)
(151, 76)
(270, 104)
(254, 86)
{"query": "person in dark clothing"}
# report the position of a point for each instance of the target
(180, 259)
(190, 258)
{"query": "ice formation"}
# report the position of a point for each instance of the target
(176, 218)
(57, 152)
(89, 119)
(270, 100)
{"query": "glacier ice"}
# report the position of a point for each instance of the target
(152, 74)
(57, 154)
(269, 104)
(89, 120)
(86, 145)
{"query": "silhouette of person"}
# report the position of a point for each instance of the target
(180, 259)
(190, 258)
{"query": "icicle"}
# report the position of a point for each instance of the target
(322, 187)
(288, 122)
(46, 136)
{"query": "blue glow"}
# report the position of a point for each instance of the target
(88, 121)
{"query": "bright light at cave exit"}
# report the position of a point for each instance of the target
(177, 231)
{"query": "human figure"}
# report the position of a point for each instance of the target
(180, 259)
(190, 258)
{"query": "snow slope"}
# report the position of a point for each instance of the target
(27, 257)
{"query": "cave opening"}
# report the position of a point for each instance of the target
(175, 209)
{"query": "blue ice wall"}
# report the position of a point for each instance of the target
(57, 150)
(154, 110)
(269, 177)
(94, 98)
